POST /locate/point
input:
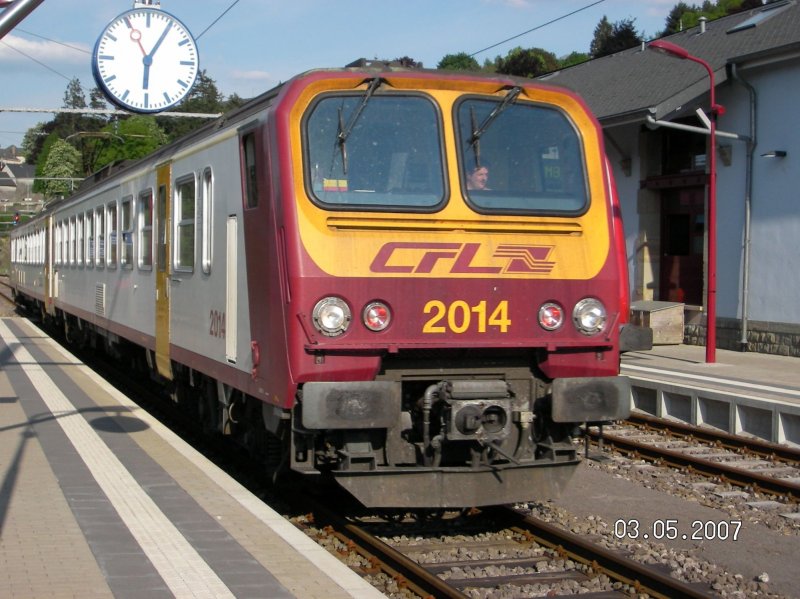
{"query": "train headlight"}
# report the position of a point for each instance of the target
(551, 316)
(376, 316)
(331, 316)
(589, 316)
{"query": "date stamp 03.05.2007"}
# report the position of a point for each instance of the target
(671, 529)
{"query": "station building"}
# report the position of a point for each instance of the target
(647, 104)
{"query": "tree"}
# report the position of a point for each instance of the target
(408, 62)
(573, 58)
(684, 16)
(528, 63)
(602, 33)
(129, 139)
(63, 161)
(458, 62)
(32, 141)
(621, 36)
(204, 97)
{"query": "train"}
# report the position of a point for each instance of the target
(317, 275)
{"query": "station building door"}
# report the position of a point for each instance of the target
(682, 243)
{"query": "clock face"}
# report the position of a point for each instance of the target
(145, 60)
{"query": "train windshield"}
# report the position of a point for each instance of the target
(389, 157)
(525, 158)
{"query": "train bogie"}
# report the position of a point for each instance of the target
(409, 282)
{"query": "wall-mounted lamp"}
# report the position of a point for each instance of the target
(775, 154)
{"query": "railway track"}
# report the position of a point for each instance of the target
(742, 461)
(498, 550)
(7, 305)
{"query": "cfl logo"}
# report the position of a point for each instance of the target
(460, 258)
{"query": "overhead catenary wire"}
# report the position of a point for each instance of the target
(513, 37)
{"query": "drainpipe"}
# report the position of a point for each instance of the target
(748, 200)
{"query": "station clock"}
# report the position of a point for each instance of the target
(145, 60)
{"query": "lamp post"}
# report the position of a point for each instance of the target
(711, 289)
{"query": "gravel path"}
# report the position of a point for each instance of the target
(612, 499)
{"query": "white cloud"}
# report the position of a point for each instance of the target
(253, 75)
(15, 49)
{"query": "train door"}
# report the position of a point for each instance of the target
(232, 296)
(162, 257)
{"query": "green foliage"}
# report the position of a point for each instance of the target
(530, 62)
(100, 141)
(574, 58)
(63, 161)
(132, 138)
(684, 16)
(458, 62)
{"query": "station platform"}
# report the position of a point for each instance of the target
(740, 392)
(98, 499)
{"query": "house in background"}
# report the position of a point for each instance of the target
(16, 184)
(646, 102)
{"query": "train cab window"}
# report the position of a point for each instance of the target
(374, 152)
(519, 157)
(145, 213)
(126, 229)
(185, 219)
(100, 237)
(88, 223)
(250, 169)
(111, 232)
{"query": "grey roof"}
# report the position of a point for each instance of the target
(629, 85)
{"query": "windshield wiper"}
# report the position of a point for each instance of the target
(477, 132)
(344, 131)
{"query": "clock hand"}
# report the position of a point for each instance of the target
(160, 40)
(148, 58)
(136, 36)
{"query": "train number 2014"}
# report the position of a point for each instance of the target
(217, 326)
(459, 317)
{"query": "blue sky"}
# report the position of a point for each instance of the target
(259, 43)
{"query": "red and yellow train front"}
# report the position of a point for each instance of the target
(455, 288)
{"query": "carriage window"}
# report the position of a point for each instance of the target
(520, 157)
(145, 213)
(250, 170)
(88, 221)
(111, 228)
(100, 237)
(374, 152)
(79, 240)
(57, 244)
(205, 218)
(126, 228)
(185, 218)
(72, 240)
